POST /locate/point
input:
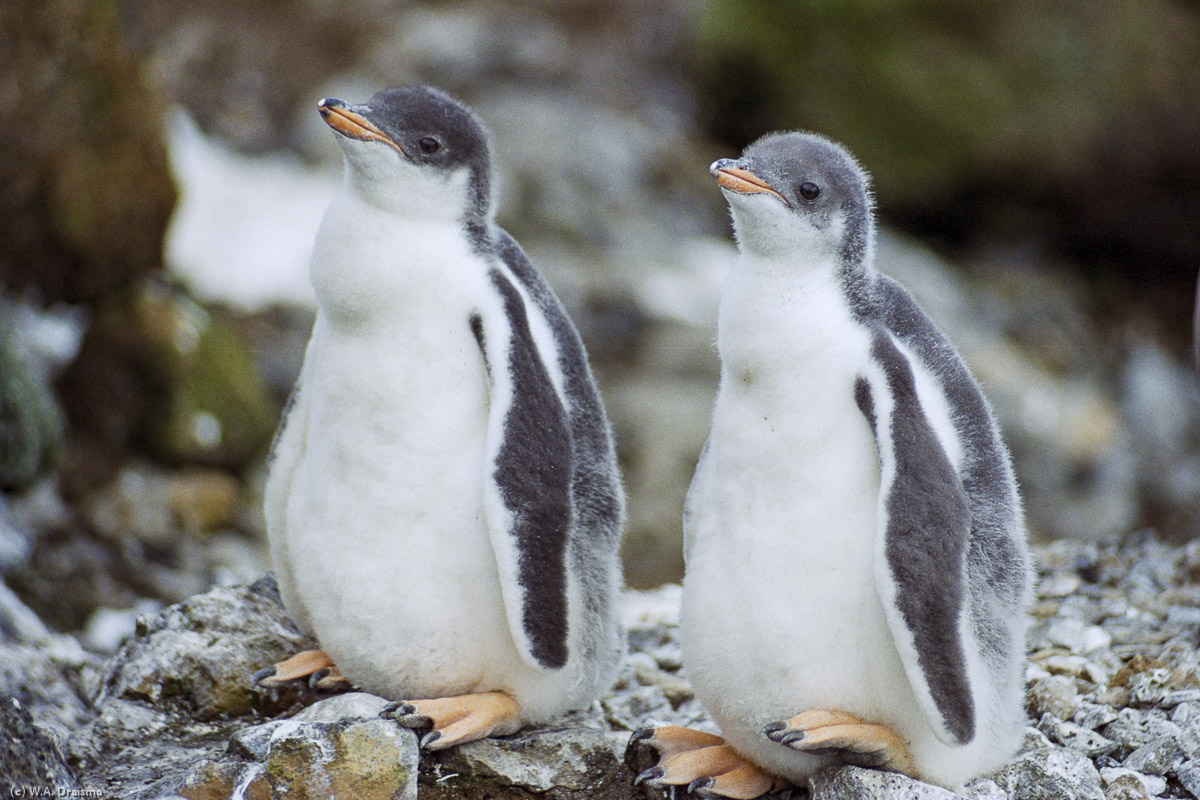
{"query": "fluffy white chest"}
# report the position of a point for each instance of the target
(385, 536)
(780, 610)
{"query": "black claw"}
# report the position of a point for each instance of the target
(652, 774)
(789, 738)
(399, 708)
(318, 676)
(773, 730)
(640, 734)
(430, 738)
(700, 784)
(262, 675)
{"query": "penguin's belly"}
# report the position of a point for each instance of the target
(780, 613)
(390, 554)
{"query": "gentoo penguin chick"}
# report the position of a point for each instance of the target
(857, 572)
(443, 501)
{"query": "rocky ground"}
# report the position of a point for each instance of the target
(1113, 702)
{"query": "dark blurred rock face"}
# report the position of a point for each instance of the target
(1072, 122)
(86, 192)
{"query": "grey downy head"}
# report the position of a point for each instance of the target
(798, 195)
(415, 149)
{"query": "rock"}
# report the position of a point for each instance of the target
(200, 653)
(856, 783)
(1050, 773)
(570, 760)
(48, 674)
(154, 505)
(1133, 729)
(648, 673)
(1055, 695)
(1156, 757)
(175, 694)
(337, 747)
(1076, 737)
(1124, 782)
(1126, 787)
(983, 789)
(372, 759)
(28, 758)
(1189, 776)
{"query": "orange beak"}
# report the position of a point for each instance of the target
(741, 180)
(352, 125)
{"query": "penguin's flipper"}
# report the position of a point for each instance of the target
(527, 498)
(702, 762)
(455, 720)
(315, 665)
(845, 736)
(925, 524)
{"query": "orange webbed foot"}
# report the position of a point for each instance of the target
(455, 720)
(703, 762)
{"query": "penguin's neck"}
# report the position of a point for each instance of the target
(372, 265)
(776, 310)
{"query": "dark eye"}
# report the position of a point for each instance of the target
(809, 190)
(429, 145)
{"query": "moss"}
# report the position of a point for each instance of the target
(31, 424)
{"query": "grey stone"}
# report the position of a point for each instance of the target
(28, 758)
(367, 759)
(351, 705)
(984, 789)
(1133, 729)
(1076, 737)
(175, 694)
(49, 674)
(576, 760)
(1188, 774)
(1126, 787)
(255, 741)
(201, 652)
(1093, 715)
(856, 783)
(1156, 757)
(1054, 694)
(1148, 785)
(1050, 774)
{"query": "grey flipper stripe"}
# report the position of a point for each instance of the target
(997, 560)
(596, 490)
(595, 487)
(533, 472)
(928, 524)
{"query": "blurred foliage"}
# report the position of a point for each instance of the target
(31, 424)
(1072, 121)
(159, 374)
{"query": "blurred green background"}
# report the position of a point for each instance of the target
(1035, 166)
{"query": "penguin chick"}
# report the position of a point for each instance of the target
(857, 572)
(443, 501)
